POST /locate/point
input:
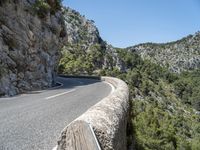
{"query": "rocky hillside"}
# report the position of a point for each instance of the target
(85, 43)
(180, 55)
(85, 52)
(80, 30)
(164, 104)
(31, 34)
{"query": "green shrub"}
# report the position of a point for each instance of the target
(42, 8)
(187, 87)
(55, 5)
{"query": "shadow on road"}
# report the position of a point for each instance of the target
(69, 83)
(64, 82)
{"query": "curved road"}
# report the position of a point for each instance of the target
(34, 121)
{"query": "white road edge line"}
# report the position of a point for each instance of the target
(50, 97)
(112, 87)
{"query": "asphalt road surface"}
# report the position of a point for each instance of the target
(34, 121)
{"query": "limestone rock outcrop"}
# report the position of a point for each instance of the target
(85, 43)
(80, 30)
(178, 56)
(29, 46)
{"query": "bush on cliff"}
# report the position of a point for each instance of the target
(75, 61)
(43, 7)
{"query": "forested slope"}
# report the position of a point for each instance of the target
(164, 101)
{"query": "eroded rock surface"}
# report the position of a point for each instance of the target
(29, 46)
(86, 52)
(178, 56)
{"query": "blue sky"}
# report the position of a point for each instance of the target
(125, 23)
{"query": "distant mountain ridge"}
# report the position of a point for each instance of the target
(178, 56)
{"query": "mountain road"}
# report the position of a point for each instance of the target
(34, 120)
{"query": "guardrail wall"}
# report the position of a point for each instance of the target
(103, 126)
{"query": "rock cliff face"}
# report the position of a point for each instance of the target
(180, 55)
(29, 45)
(85, 52)
(81, 30)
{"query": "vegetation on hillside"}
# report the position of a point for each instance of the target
(75, 61)
(43, 7)
(187, 87)
(178, 56)
(161, 113)
(164, 105)
(162, 116)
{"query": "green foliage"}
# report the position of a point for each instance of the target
(130, 59)
(114, 72)
(55, 5)
(159, 119)
(187, 87)
(76, 61)
(156, 128)
(43, 7)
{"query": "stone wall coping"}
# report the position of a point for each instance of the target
(108, 119)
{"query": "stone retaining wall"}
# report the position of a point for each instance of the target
(108, 120)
